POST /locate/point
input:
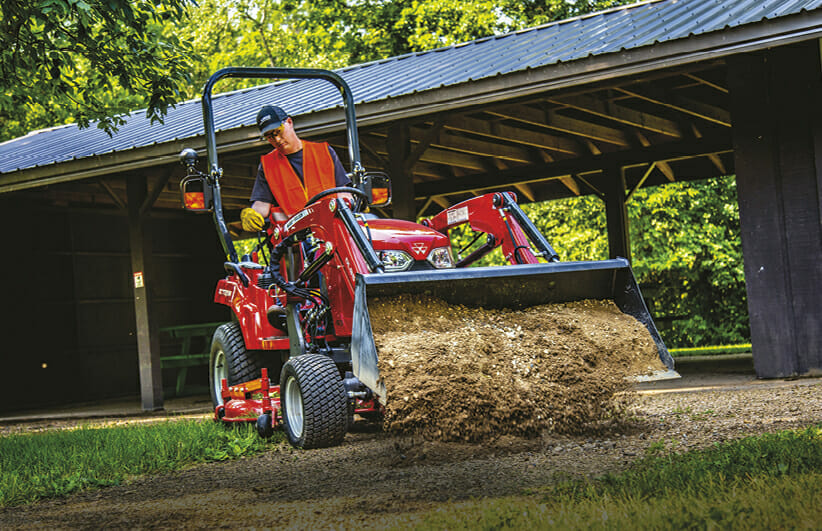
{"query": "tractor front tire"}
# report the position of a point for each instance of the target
(230, 359)
(314, 402)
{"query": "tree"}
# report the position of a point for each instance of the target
(257, 33)
(86, 60)
(335, 33)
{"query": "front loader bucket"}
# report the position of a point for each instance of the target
(513, 287)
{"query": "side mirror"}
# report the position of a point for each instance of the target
(378, 186)
(194, 187)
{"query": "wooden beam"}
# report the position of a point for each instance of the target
(423, 143)
(425, 206)
(158, 189)
(481, 148)
(563, 124)
(516, 135)
(717, 161)
(639, 183)
(104, 184)
(666, 170)
(682, 104)
(525, 190)
(441, 201)
(621, 114)
(619, 242)
(570, 184)
(705, 82)
(399, 147)
(148, 343)
(669, 151)
(373, 151)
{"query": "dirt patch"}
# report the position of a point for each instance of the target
(376, 480)
(469, 374)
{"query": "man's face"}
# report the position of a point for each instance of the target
(284, 138)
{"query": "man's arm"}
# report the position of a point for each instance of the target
(264, 209)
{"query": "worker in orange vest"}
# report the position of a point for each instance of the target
(294, 171)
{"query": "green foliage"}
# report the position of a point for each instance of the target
(258, 33)
(76, 60)
(688, 259)
(55, 463)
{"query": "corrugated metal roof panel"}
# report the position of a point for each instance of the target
(623, 28)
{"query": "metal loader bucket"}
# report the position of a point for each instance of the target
(514, 287)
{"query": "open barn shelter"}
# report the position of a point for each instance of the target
(100, 256)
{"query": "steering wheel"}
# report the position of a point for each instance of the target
(338, 190)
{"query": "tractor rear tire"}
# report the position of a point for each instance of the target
(313, 401)
(230, 360)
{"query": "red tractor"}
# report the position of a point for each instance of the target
(300, 301)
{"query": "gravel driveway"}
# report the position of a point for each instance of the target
(375, 479)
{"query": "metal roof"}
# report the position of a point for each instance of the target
(627, 28)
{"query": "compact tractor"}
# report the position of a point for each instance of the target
(300, 352)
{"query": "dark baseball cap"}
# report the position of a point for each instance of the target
(269, 118)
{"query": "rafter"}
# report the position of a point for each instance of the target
(557, 122)
(703, 81)
(680, 103)
(512, 134)
(112, 193)
(525, 190)
(668, 152)
(423, 143)
(621, 114)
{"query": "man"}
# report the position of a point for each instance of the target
(294, 171)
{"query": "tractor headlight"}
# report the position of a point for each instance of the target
(396, 260)
(441, 258)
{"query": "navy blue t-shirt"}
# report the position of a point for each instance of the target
(262, 192)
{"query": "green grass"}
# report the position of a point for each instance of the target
(55, 463)
(767, 482)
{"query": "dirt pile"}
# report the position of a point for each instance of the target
(455, 373)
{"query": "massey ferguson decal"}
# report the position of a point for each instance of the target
(419, 248)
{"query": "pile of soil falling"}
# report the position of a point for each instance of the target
(470, 374)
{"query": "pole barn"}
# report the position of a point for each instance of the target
(657, 92)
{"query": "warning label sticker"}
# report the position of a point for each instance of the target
(458, 215)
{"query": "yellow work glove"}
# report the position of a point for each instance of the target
(252, 220)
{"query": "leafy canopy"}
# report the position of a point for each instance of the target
(86, 60)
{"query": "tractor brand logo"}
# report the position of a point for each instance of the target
(419, 248)
(225, 292)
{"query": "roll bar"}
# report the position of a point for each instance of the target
(214, 170)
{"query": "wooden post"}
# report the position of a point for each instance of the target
(619, 240)
(148, 344)
(776, 107)
(402, 181)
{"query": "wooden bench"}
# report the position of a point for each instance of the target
(186, 334)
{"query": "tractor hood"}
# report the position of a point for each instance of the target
(417, 240)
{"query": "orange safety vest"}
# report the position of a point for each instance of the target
(290, 193)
